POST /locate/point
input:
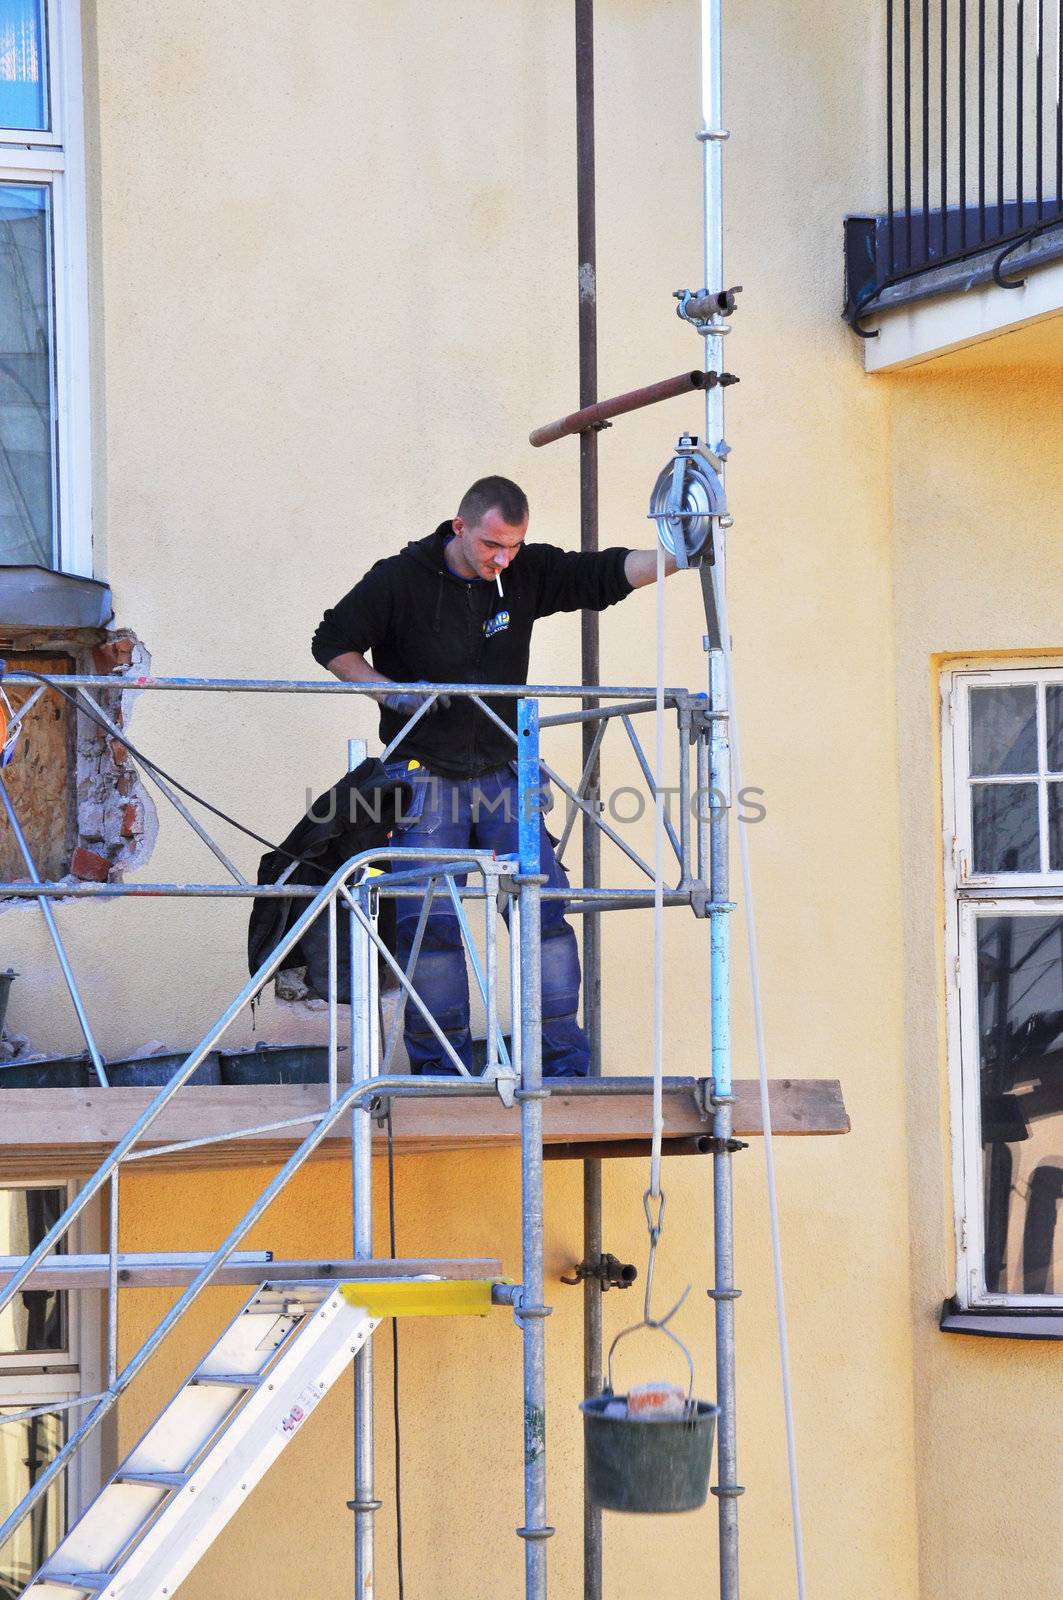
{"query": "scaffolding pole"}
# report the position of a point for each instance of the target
(590, 671)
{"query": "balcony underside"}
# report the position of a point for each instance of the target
(1012, 304)
(66, 1133)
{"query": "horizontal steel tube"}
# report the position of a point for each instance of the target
(598, 713)
(539, 691)
(603, 899)
(633, 400)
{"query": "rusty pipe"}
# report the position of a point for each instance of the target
(595, 415)
(694, 1144)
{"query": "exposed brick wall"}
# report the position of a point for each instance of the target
(117, 822)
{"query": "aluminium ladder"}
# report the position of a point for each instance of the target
(224, 1428)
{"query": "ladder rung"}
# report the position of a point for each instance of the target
(94, 1582)
(153, 1480)
(228, 1380)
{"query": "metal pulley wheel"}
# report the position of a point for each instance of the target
(687, 497)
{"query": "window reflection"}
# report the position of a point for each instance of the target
(1005, 827)
(1020, 1025)
(27, 457)
(23, 73)
(36, 1318)
(26, 1448)
(1003, 729)
(1054, 725)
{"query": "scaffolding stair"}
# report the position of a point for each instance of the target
(223, 1430)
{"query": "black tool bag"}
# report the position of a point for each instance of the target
(356, 814)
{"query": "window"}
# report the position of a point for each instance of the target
(38, 1366)
(45, 503)
(1004, 871)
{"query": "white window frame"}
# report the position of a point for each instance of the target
(37, 1378)
(967, 897)
(56, 158)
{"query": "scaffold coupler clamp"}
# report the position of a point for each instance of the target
(608, 1271)
(505, 1080)
(707, 311)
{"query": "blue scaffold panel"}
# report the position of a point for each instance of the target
(530, 799)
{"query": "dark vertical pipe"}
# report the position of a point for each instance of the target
(908, 131)
(962, 91)
(943, 124)
(926, 130)
(981, 121)
(891, 231)
(1020, 63)
(1040, 88)
(591, 674)
(1059, 105)
(1000, 116)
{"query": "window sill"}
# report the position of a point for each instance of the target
(34, 597)
(1003, 1322)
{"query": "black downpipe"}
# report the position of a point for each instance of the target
(590, 674)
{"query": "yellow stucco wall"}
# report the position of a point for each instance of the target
(976, 454)
(336, 282)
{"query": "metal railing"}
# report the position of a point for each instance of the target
(974, 139)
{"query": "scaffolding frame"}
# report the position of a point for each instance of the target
(699, 847)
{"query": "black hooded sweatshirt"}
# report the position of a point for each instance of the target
(424, 624)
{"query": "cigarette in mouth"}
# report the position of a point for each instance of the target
(498, 581)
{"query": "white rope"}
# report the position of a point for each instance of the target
(658, 896)
(765, 1102)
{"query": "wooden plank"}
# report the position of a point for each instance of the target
(161, 1272)
(68, 1132)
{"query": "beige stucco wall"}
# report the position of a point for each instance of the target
(336, 282)
(976, 452)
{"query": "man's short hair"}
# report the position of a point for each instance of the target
(493, 494)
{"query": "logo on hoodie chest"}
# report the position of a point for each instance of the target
(496, 624)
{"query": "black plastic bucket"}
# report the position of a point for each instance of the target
(151, 1072)
(656, 1465)
(56, 1072)
(276, 1063)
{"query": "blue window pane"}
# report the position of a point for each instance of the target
(23, 65)
(27, 412)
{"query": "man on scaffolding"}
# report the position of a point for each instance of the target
(458, 607)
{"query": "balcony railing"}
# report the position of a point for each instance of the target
(974, 140)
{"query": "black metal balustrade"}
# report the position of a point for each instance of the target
(974, 140)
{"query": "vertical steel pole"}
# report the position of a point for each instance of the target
(727, 1489)
(364, 1064)
(532, 1310)
(53, 933)
(591, 674)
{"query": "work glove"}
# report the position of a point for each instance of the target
(406, 704)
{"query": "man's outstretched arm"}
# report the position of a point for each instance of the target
(640, 567)
(352, 667)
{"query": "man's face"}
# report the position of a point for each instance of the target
(490, 545)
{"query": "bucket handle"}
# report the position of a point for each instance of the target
(659, 1326)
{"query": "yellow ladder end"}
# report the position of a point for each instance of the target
(421, 1297)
